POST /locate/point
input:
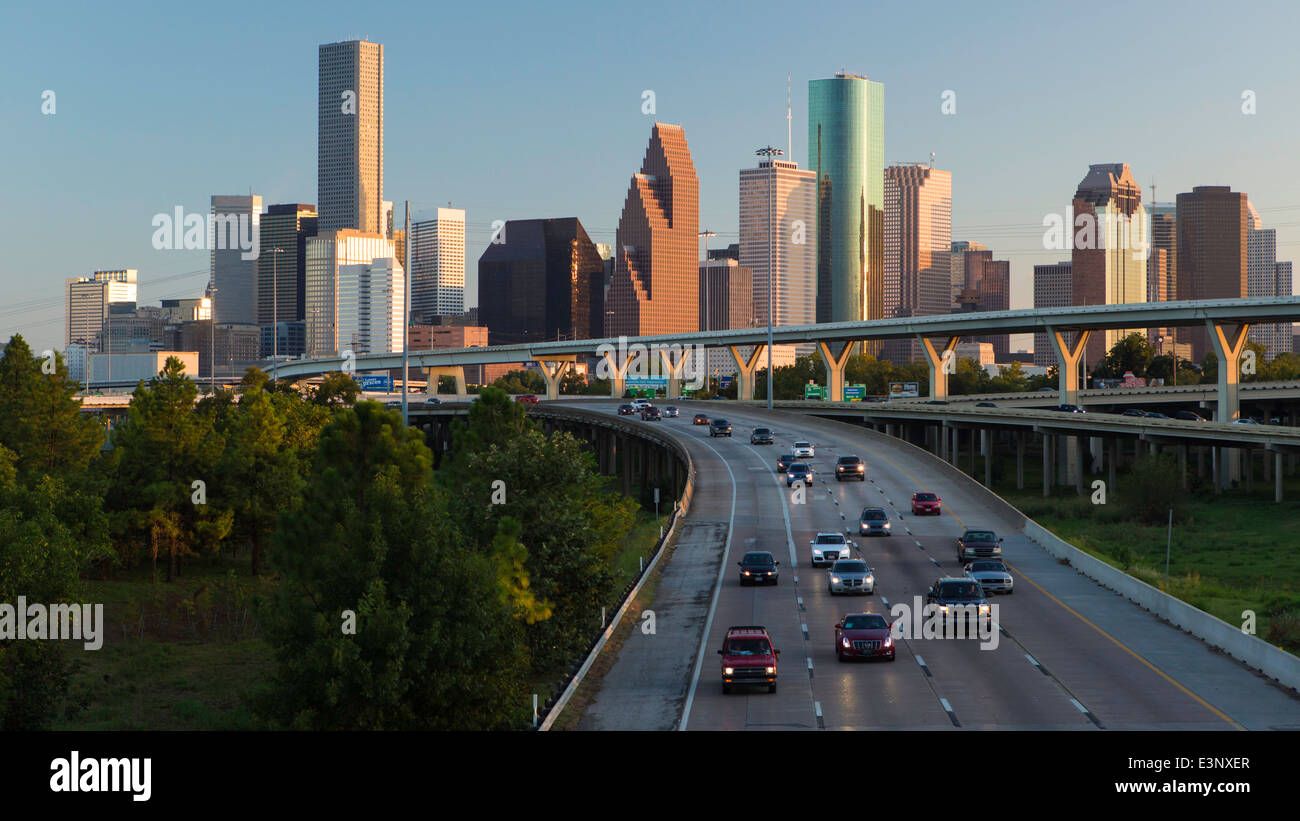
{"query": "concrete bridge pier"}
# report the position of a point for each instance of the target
(834, 363)
(553, 369)
(746, 367)
(456, 372)
(936, 360)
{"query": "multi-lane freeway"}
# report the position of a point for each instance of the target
(1069, 655)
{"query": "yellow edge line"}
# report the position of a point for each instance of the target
(1080, 617)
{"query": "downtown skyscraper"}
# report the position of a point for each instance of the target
(1212, 247)
(655, 286)
(350, 137)
(1265, 276)
(778, 214)
(846, 150)
(918, 243)
(1109, 263)
(438, 265)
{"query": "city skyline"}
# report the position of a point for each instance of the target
(914, 97)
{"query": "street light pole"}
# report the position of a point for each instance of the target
(406, 320)
(771, 154)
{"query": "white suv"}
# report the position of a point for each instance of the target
(828, 547)
(803, 449)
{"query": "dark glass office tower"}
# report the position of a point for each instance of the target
(544, 282)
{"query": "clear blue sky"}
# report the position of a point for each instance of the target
(515, 110)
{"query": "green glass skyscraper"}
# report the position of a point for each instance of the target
(846, 149)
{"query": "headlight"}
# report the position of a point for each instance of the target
(817, 551)
(885, 525)
(984, 608)
(943, 608)
(771, 670)
(844, 640)
(889, 640)
(746, 572)
(728, 670)
(835, 579)
(861, 468)
(870, 579)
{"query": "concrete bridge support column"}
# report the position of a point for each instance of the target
(625, 464)
(1020, 460)
(1097, 452)
(676, 370)
(943, 441)
(1112, 456)
(1182, 466)
(1277, 476)
(834, 363)
(615, 363)
(1067, 362)
(1047, 465)
(432, 375)
(987, 436)
(937, 359)
(745, 369)
(553, 368)
(1228, 346)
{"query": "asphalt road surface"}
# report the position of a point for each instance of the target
(1069, 653)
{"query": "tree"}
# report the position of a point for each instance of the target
(1132, 353)
(41, 556)
(522, 381)
(436, 644)
(40, 418)
(573, 524)
(257, 475)
(1010, 378)
(337, 388)
(969, 378)
(165, 447)
(573, 383)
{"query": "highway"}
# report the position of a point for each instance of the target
(1070, 654)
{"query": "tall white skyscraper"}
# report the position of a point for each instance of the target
(235, 244)
(340, 302)
(1265, 276)
(89, 300)
(371, 307)
(350, 137)
(791, 234)
(438, 265)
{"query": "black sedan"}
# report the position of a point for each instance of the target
(626, 410)
(758, 567)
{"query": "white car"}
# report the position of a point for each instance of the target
(992, 575)
(850, 576)
(829, 547)
(803, 449)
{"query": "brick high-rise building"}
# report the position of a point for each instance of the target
(988, 288)
(1211, 252)
(655, 287)
(918, 243)
(543, 280)
(957, 263)
(1109, 263)
(1162, 261)
(726, 295)
(350, 138)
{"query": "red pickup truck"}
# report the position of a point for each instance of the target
(748, 658)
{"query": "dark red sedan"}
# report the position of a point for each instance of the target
(928, 504)
(863, 636)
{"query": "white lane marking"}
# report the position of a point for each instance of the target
(884, 601)
(920, 661)
(817, 705)
(932, 561)
(1076, 703)
(947, 708)
(796, 578)
(810, 668)
(1033, 661)
(918, 544)
(800, 600)
(805, 630)
(717, 588)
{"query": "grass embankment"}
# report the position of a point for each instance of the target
(179, 656)
(1229, 553)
